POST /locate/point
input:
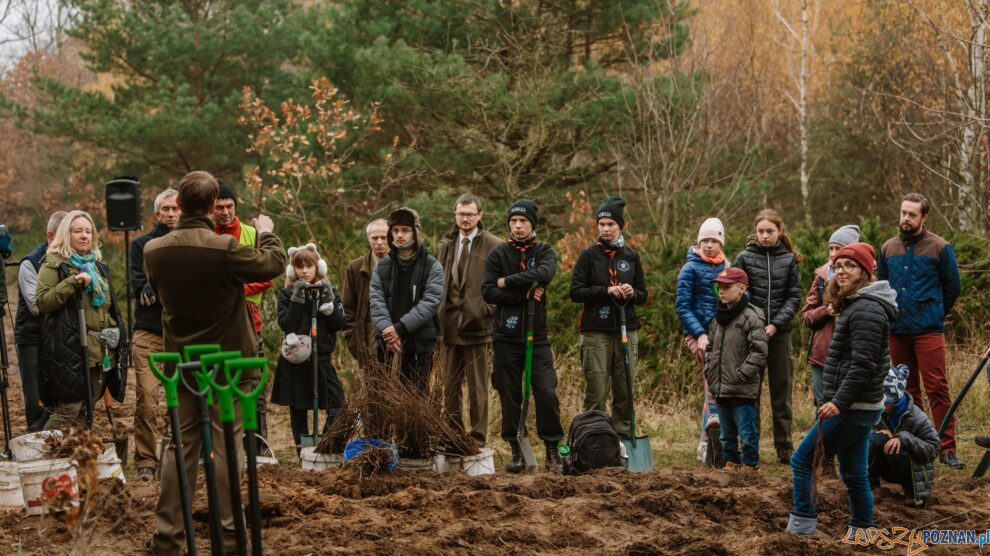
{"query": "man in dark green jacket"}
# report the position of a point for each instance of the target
(199, 277)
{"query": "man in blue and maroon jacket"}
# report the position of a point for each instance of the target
(921, 267)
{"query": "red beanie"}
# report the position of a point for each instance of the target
(862, 253)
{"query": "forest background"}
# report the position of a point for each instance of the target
(329, 114)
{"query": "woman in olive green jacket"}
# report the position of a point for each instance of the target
(72, 266)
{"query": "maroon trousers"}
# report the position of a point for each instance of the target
(924, 354)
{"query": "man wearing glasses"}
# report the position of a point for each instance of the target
(465, 318)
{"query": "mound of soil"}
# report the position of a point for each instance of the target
(671, 511)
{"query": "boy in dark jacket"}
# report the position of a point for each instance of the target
(405, 292)
(608, 275)
(904, 444)
(733, 361)
(515, 272)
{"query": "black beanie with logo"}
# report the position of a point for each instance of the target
(525, 208)
(612, 208)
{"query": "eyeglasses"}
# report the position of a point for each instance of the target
(466, 214)
(845, 267)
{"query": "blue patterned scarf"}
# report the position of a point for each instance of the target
(97, 285)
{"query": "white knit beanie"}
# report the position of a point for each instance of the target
(712, 228)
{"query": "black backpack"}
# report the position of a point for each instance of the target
(594, 443)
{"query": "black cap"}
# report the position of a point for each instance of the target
(525, 208)
(226, 192)
(612, 208)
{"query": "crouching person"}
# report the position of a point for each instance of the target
(904, 443)
(515, 272)
(734, 359)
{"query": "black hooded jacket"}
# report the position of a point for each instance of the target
(859, 353)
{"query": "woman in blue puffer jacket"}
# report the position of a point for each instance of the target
(695, 304)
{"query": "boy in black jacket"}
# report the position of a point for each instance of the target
(904, 442)
(516, 271)
(608, 275)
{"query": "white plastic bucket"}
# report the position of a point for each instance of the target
(11, 495)
(313, 461)
(108, 465)
(410, 464)
(482, 463)
(30, 447)
(41, 480)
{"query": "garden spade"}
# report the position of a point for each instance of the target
(249, 419)
(207, 366)
(310, 440)
(225, 399)
(637, 447)
(529, 457)
(171, 387)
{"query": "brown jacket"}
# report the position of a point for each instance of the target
(465, 318)
(200, 276)
(359, 333)
(815, 316)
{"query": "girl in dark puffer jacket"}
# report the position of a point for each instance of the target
(857, 362)
(771, 262)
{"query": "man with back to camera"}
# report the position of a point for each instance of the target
(206, 306)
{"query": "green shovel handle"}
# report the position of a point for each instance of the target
(225, 395)
(191, 353)
(208, 361)
(249, 400)
(169, 384)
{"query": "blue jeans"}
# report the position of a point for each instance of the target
(846, 436)
(738, 422)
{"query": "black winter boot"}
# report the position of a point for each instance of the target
(554, 463)
(515, 464)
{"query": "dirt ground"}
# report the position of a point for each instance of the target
(675, 510)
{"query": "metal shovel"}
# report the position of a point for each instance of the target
(529, 457)
(249, 419)
(310, 440)
(637, 447)
(171, 387)
(206, 366)
(225, 398)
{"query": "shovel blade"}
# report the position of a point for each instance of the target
(639, 453)
(309, 440)
(529, 457)
(119, 447)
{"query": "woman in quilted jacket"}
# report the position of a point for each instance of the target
(852, 387)
(72, 270)
(695, 304)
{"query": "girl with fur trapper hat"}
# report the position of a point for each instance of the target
(293, 383)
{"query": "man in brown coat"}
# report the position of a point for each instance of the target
(199, 278)
(465, 318)
(360, 331)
